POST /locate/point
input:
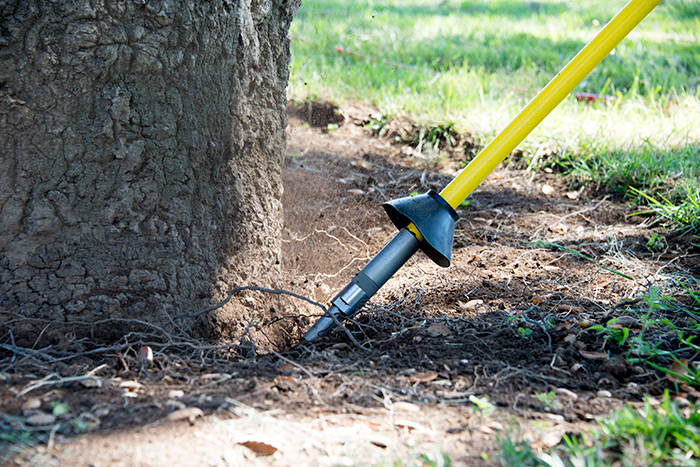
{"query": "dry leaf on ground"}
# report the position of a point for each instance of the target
(287, 379)
(437, 329)
(490, 427)
(624, 321)
(594, 355)
(559, 228)
(568, 308)
(411, 426)
(406, 406)
(552, 438)
(375, 426)
(258, 447)
(145, 356)
(131, 385)
(91, 382)
(471, 304)
(680, 368)
(422, 378)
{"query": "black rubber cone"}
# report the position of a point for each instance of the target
(433, 217)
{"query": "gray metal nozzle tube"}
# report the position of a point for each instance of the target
(365, 284)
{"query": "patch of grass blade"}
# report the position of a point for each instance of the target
(665, 180)
(666, 340)
(578, 254)
(681, 212)
(666, 435)
(517, 452)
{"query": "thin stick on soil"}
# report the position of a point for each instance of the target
(49, 381)
(241, 288)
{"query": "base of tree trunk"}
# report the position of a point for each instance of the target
(140, 164)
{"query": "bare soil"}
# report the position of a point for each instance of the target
(508, 320)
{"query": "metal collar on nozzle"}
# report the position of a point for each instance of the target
(434, 219)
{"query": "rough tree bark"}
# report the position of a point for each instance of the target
(140, 151)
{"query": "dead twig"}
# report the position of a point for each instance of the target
(49, 380)
(241, 288)
(292, 362)
(31, 353)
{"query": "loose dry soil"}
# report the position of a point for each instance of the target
(508, 319)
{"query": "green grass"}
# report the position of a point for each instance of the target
(665, 180)
(471, 58)
(469, 66)
(666, 336)
(664, 435)
(668, 434)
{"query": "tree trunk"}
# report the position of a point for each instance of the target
(141, 143)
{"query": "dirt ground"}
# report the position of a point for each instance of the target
(507, 321)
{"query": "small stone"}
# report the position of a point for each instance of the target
(31, 405)
(566, 393)
(41, 419)
(604, 393)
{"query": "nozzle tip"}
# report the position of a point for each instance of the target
(324, 325)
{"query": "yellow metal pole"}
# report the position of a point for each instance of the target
(552, 94)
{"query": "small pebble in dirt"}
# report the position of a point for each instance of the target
(566, 393)
(40, 419)
(604, 393)
(618, 368)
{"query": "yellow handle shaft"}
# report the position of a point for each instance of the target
(550, 96)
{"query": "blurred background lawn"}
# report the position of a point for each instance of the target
(472, 65)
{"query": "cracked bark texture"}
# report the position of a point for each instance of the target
(140, 156)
